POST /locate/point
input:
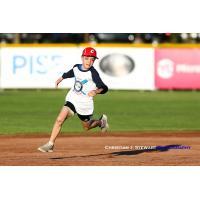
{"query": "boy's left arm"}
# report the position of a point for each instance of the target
(101, 87)
(95, 92)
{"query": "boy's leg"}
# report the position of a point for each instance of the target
(102, 123)
(91, 124)
(63, 115)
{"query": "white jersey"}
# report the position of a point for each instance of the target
(85, 81)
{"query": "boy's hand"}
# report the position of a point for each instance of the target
(92, 93)
(95, 92)
(56, 85)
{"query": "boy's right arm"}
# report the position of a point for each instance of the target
(68, 74)
(58, 81)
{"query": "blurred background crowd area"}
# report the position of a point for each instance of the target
(137, 38)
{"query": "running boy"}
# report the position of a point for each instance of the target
(79, 100)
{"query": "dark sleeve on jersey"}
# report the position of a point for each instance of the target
(99, 83)
(68, 74)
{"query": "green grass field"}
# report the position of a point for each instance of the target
(34, 111)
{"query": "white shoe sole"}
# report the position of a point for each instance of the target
(107, 125)
(49, 151)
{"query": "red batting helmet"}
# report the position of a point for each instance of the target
(89, 51)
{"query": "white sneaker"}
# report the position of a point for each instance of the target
(104, 123)
(46, 148)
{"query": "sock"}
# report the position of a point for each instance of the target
(51, 143)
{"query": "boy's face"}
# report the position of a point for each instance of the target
(87, 61)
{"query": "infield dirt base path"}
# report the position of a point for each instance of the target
(103, 150)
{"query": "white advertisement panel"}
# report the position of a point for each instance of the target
(127, 68)
(35, 67)
(40, 67)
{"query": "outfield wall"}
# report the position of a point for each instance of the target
(136, 67)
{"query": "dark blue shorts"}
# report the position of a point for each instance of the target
(84, 118)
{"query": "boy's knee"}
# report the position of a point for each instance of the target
(86, 126)
(59, 121)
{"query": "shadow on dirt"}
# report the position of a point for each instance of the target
(126, 153)
(158, 149)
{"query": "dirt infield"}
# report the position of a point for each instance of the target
(119, 149)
